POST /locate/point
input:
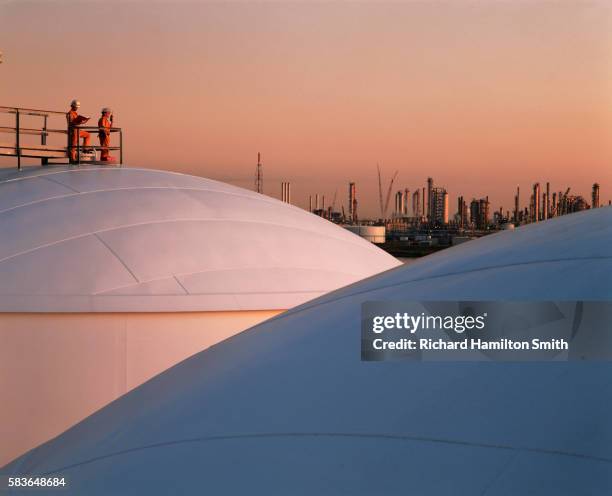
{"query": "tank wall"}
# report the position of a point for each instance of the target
(374, 234)
(56, 369)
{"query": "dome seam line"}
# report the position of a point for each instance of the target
(390, 437)
(179, 283)
(125, 266)
(60, 184)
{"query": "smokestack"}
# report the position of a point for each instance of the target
(423, 203)
(310, 203)
(352, 206)
(595, 196)
(429, 199)
(317, 201)
(516, 204)
(445, 208)
(547, 203)
(286, 193)
(259, 175)
(399, 204)
(536, 202)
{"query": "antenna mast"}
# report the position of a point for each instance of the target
(259, 175)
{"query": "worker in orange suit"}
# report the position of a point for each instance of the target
(74, 120)
(105, 123)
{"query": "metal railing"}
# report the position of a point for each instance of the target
(44, 151)
(96, 129)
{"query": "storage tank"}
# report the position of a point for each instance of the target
(374, 234)
(289, 408)
(110, 275)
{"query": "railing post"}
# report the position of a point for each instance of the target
(43, 140)
(18, 144)
(78, 133)
(69, 144)
(120, 146)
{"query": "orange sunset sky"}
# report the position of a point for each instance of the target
(481, 95)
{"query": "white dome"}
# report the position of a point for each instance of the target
(122, 239)
(288, 408)
(90, 256)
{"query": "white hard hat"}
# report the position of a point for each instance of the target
(75, 103)
(106, 109)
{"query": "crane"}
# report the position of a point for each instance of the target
(389, 195)
(380, 199)
(384, 207)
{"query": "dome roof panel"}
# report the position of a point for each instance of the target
(178, 247)
(18, 192)
(81, 275)
(158, 226)
(87, 179)
(252, 280)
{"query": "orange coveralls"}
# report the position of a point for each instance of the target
(75, 134)
(104, 134)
